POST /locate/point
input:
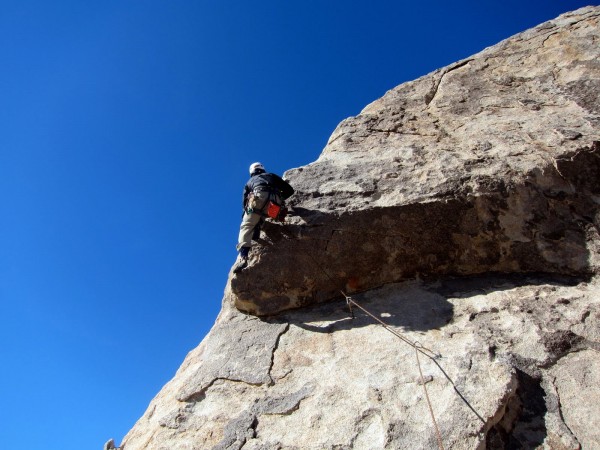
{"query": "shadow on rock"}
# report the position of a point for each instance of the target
(406, 306)
(523, 424)
(470, 286)
(412, 306)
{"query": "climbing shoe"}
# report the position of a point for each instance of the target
(241, 264)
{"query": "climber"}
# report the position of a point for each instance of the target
(264, 195)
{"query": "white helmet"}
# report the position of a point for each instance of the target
(256, 167)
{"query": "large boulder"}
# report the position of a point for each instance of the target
(490, 164)
(459, 216)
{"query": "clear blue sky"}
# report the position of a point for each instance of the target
(126, 131)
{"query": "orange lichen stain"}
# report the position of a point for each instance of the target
(353, 284)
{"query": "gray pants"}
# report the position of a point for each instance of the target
(257, 204)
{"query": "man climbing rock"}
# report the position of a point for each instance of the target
(264, 193)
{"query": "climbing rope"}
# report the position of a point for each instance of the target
(424, 384)
(416, 345)
(418, 349)
(427, 352)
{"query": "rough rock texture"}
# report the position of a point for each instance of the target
(486, 165)
(463, 210)
(519, 355)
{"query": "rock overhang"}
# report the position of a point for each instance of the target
(541, 222)
(480, 166)
(518, 350)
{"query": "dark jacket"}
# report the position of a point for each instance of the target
(268, 181)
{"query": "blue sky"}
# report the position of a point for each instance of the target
(126, 131)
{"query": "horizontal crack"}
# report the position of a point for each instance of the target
(200, 395)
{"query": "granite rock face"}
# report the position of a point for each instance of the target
(462, 210)
(518, 368)
(491, 164)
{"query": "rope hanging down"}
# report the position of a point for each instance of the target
(418, 349)
(416, 345)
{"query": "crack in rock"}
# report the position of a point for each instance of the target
(522, 422)
(434, 89)
(560, 412)
(249, 361)
(243, 428)
(285, 330)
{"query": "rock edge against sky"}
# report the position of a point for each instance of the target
(462, 209)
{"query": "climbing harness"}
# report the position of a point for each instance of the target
(273, 207)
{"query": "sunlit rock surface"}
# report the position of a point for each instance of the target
(462, 209)
(486, 165)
